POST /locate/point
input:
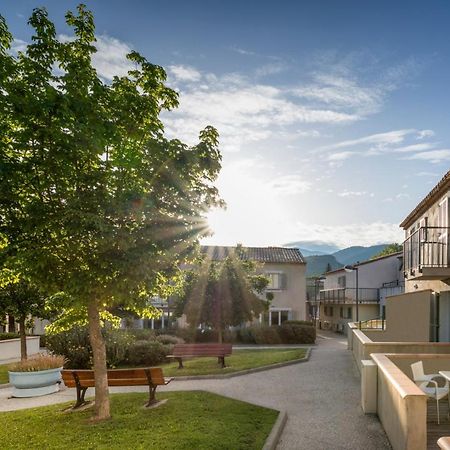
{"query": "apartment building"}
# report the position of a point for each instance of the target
(358, 292)
(427, 257)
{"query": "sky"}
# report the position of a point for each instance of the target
(333, 116)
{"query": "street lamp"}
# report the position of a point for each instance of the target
(317, 281)
(350, 269)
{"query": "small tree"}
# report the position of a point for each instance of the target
(224, 293)
(389, 250)
(23, 301)
(98, 207)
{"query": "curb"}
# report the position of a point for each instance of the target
(5, 385)
(246, 371)
(277, 429)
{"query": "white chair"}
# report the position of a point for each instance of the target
(422, 380)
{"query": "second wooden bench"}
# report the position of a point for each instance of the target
(219, 351)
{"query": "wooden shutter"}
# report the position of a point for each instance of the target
(283, 281)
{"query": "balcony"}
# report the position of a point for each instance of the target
(426, 254)
(348, 295)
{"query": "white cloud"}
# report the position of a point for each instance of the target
(388, 138)
(433, 156)
(340, 156)
(425, 134)
(290, 184)
(184, 73)
(18, 46)
(415, 147)
(270, 69)
(110, 60)
(355, 194)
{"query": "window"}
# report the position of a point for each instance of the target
(342, 281)
(277, 281)
(277, 317)
(341, 312)
(328, 310)
(349, 313)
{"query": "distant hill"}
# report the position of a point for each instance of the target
(316, 265)
(309, 248)
(352, 255)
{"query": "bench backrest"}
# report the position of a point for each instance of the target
(116, 377)
(202, 350)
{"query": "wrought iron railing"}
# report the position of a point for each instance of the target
(426, 247)
(345, 295)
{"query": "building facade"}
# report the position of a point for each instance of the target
(358, 293)
(427, 257)
(286, 270)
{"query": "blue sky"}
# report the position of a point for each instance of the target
(333, 115)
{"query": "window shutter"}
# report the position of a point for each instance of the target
(283, 281)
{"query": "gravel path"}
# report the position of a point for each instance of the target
(321, 397)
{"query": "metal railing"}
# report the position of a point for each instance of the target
(345, 295)
(426, 247)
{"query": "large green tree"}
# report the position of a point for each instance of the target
(98, 206)
(23, 301)
(223, 293)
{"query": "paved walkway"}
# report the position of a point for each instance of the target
(321, 397)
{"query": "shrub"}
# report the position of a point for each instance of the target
(304, 334)
(146, 353)
(117, 343)
(266, 335)
(38, 362)
(6, 336)
(141, 334)
(245, 336)
(298, 322)
(169, 339)
(74, 345)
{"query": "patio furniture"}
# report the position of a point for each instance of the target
(84, 379)
(219, 351)
(444, 443)
(423, 380)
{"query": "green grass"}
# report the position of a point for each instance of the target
(4, 374)
(239, 360)
(189, 420)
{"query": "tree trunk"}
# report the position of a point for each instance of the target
(23, 339)
(220, 335)
(101, 409)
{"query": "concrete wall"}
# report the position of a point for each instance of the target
(401, 406)
(294, 294)
(408, 317)
(10, 349)
(363, 346)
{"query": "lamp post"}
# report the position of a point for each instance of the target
(350, 269)
(317, 281)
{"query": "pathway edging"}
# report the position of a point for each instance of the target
(246, 371)
(274, 436)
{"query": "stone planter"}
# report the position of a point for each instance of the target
(34, 384)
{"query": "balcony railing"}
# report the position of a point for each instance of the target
(346, 295)
(427, 247)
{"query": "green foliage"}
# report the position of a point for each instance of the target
(167, 339)
(95, 201)
(388, 250)
(220, 294)
(298, 322)
(6, 336)
(146, 353)
(288, 333)
(122, 347)
(22, 299)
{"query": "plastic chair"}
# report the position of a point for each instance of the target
(423, 380)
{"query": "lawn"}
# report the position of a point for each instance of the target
(239, 360)
(4, 374)
(189, 420)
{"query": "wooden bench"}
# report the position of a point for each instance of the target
(84, 379)
(219, 351)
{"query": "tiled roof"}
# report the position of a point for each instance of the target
(434, 194)
(260, 254)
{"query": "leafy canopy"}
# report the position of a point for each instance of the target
(222, 293)
(95, 202)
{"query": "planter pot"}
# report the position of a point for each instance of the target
(34, 384)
